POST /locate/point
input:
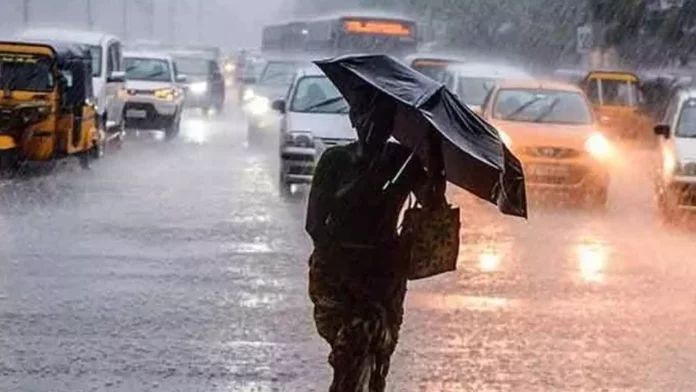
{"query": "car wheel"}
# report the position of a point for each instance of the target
(599, 197)
(173, 130)
(665, 207)
(284, 186)
(220, 107)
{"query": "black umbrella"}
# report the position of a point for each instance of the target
(475, 157)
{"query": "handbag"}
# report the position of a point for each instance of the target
(430, 240)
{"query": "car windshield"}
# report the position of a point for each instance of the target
(687, 121)
(542, 106)
(316, 94)
(95, 52)
(192, 66)
(612, 92)
(25, 72)
(148, 69)
(473, 91)
(278, 74)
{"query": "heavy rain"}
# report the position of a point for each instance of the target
(157, 162)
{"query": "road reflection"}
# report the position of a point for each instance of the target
(196, 130)
(592, 258)
(430, 300)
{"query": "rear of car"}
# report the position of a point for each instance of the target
(205, 82)
(273, 84)
(472, 82)
(315, 117)
(154, 99)
(551, 128)
(433, 66)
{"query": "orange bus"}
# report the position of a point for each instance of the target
(344, 34)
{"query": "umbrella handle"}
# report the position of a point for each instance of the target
(399, 173)
(403, 167)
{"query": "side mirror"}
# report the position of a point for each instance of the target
(278, 106)
(181, 78)
(662, 130)
(116, 77)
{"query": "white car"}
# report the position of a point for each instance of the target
(314, 118)
(108, 77)
(472, 82)
(155, 97)
(675, 178)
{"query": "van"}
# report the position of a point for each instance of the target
(108, 73)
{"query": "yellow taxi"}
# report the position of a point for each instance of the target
(551, 127)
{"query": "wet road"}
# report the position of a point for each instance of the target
(178, 267)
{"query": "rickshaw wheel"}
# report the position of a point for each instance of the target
(85, 160)
(9, 164)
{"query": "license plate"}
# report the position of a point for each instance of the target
(136, 114)
(548, 171)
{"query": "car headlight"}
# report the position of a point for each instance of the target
(259, 106)
(122, 94)
(248, 95)
(598, 146)
(198, 87)
(166, 94)
(299, 139)
(670, 165)
(505, 138)
(229, 67)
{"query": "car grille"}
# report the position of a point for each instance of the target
(331, 142)
(573, 176)
(147, 107)
(301, 170)
(689, 169)
(551, 152)
(686, 194)
(141, 92)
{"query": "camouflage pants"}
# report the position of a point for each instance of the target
(361, 325)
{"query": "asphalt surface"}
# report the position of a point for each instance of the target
(177, 266)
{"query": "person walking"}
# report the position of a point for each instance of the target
(358, 273)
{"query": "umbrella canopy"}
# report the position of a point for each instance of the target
(475, 157)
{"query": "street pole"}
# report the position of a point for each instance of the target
(125, 19)
(90, 15)
(171, 23)
(25, 12)
(200, 21)
(151, 10)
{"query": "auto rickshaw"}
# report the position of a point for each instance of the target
(46, 104)
(618, 101)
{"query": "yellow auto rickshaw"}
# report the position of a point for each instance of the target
(46, 104)
(619, 104)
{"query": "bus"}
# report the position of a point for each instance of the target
(343, 34)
